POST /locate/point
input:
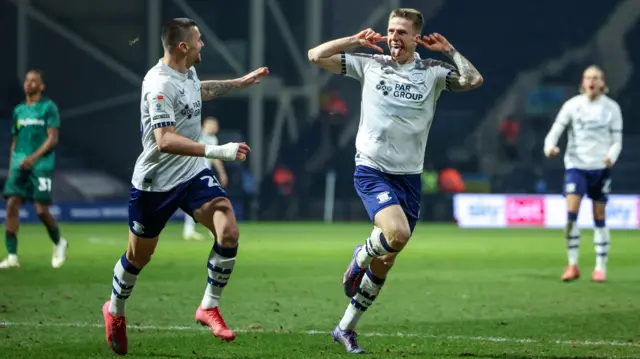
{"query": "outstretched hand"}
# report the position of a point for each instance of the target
(369, 38)
(435, 42)
(254, 77)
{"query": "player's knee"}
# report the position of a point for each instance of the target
(140, 250)
(41, 211)
(397, 235)
(13, 206)
(573, 203)
(229, 236)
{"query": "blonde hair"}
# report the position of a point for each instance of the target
(605, 89)
(413, 15)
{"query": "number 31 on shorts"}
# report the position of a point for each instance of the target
(44, 184)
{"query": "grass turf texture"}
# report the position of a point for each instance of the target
(453, 293)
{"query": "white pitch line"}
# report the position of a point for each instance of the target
(365, 334)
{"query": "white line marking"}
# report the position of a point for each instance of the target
(365, 334)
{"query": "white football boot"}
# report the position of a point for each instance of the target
(59, 253)
(10, 262)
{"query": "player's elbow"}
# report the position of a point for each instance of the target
(477, 81)
(317, 58)
(312, 55)
(52, 138)
(163, 143)
(163, 139)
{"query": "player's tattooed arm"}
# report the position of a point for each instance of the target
(214, 88)
(467, 77)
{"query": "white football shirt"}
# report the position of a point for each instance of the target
(397, 108)
(169, 98)
(595, 132)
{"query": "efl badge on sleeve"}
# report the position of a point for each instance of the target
(158, 102)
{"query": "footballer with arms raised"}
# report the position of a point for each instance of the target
(594, 123)
(399, 95)
(170, 173)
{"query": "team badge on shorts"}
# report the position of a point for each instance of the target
(383, 197)
(138, 228)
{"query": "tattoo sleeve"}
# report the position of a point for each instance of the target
(466, 77)
(212, 88)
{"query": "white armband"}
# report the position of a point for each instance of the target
(226, 152)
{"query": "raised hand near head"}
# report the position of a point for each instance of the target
(369, 38)
(434, 42)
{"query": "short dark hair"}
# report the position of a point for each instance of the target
(39, 72)
(413, 15)
(176, 31)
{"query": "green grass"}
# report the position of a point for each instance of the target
(453, 293)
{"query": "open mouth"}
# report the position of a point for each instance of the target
(396, 48)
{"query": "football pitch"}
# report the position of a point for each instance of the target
(453, 293)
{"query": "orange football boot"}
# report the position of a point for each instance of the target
(571, 273)
(116, 330)
(213, 319)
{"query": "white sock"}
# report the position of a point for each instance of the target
(375, 246)
(219, 267)
(189, 225)
(601, 238)
(124, 278)
(369, 289)
(573, 244)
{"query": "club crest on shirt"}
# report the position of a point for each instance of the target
(416, 77)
